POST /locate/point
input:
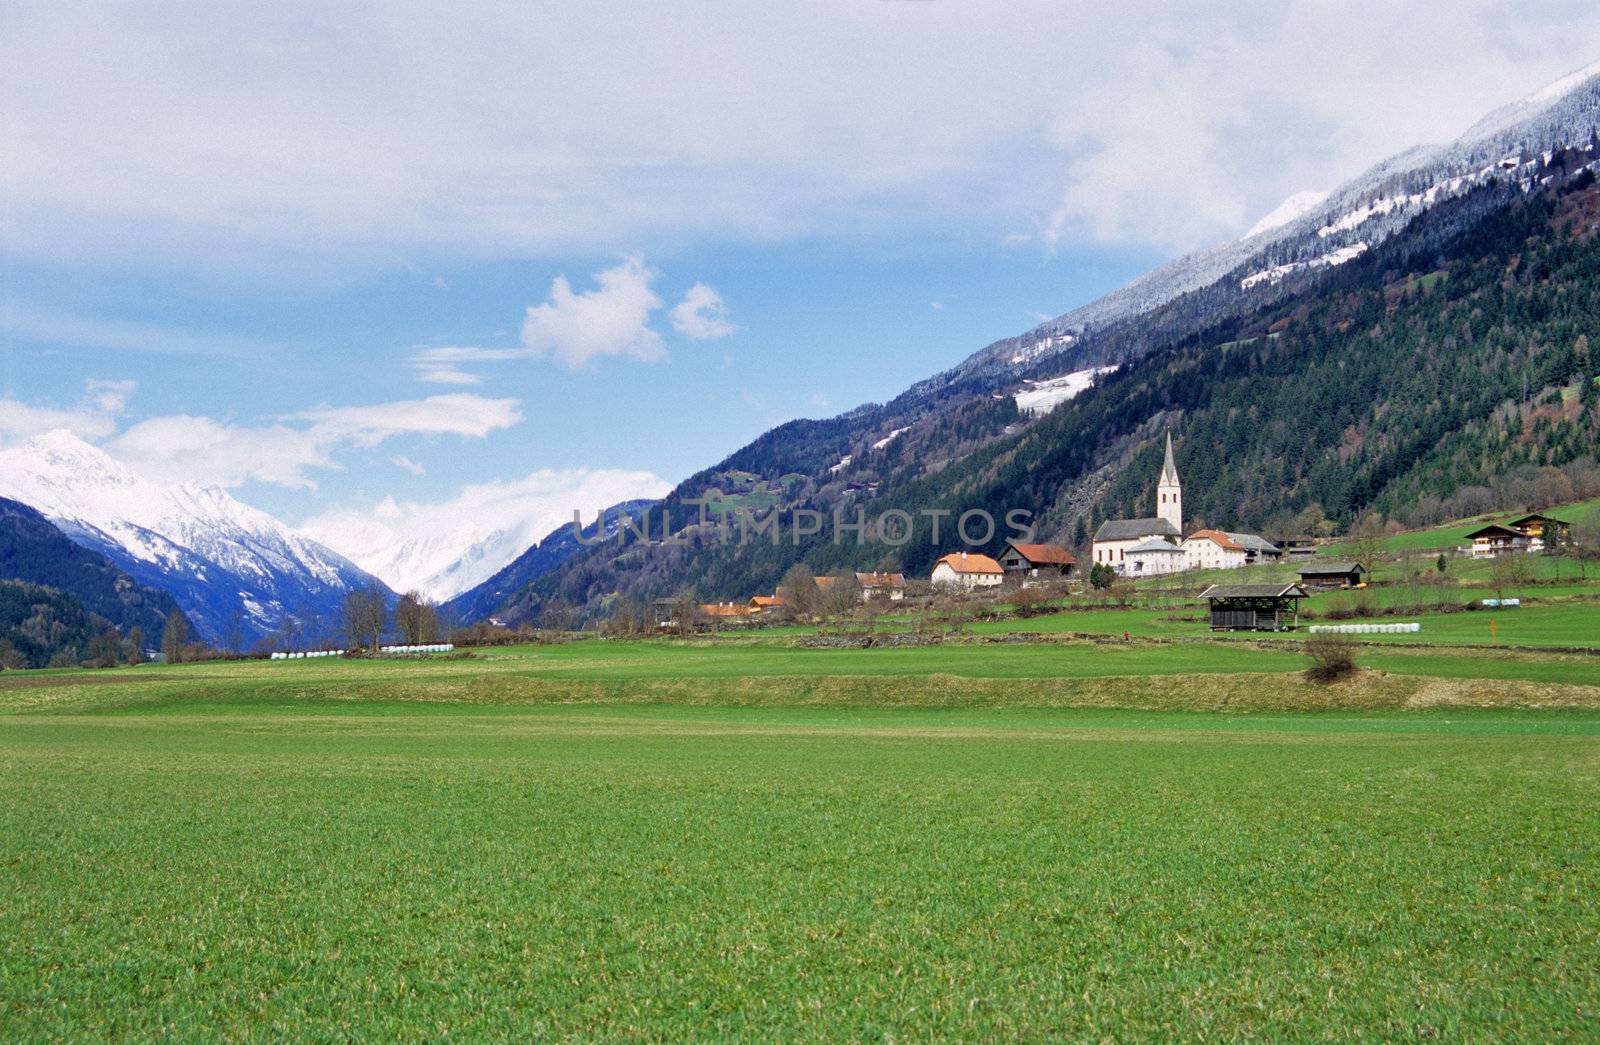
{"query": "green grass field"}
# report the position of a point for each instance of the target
(361, 869)
(745, 837)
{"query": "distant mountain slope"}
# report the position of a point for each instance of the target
(556, 548)
(41, 626)
(1367, 353)
(236, 571)
(33, 550)
(1506, 147)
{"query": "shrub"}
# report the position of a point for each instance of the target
(1332, 657)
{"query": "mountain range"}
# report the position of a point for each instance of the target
(236, 571)
(1418, 331)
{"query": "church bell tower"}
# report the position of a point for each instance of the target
(1169, 492)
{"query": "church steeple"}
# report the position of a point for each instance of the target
(1169, 491)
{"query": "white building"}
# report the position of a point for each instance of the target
(1213, 550)
(1117, 537)
(967, 570)
(1153, 557)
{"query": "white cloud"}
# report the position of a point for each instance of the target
(456, 414)
(94, 417)
(442, 365)
(613, 319)
(702, 315)
(407, 464)
(278, 130)
(185, 448)
(445, 547)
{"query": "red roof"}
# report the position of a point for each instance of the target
(970, 562)
(881, 580)
(1046, 554)
(1217, 537)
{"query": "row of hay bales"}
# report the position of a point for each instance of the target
(1365, 629)
(437, 647)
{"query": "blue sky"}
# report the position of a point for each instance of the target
(234, 238)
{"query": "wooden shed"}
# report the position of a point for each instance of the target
(1332, 574)
(1254, 607)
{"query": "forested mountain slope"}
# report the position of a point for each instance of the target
(33, 550)
(1454, 355)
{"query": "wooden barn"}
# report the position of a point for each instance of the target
(1037, 560)
(1333, 574)
(1254, 607)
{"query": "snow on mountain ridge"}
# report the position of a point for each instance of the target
(193, 540)
(1290, 209)
(1365, 210)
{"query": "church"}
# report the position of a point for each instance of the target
(1130, 546)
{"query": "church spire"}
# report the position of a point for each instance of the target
(1169, 492)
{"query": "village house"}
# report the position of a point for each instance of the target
(719, 612)
(891, 586)
(766, 605)
(1326, 575)
(1037, 561)
(1213, 550)
(967, 570)
(1256, 549)
(1154, 557)
(1497, 539)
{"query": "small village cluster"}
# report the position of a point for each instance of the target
(1149, 547)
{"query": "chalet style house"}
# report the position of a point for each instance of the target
(1531, 533)
(1037, 561)
(967, 570)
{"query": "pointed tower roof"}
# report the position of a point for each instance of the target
(1169, 470)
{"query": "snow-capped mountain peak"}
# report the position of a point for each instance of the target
(1294, 207)
(232, 567)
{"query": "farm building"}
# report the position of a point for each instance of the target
(1154, 556)
(881, 586)
(1496, 539)
(1213, 550)
(1037, 560)
(1254, 607)
(967, 570)
(1333, 574)
(1300, 548)
(1256, 549)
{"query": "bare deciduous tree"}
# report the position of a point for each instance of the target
(364, 617)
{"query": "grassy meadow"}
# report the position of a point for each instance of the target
(747, 836)
(277, 868)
